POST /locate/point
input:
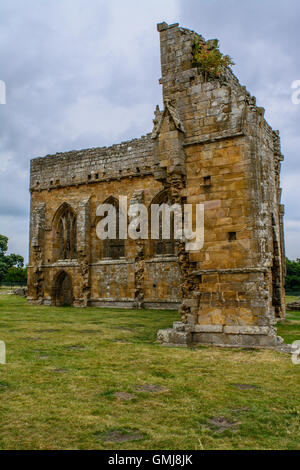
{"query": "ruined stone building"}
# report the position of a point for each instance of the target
(210, 144)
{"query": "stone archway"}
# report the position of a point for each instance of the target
(63, 292)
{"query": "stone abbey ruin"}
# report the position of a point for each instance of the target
(210, 145)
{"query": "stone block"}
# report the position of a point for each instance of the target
(247, 330)
(178, 326)
(208, 328)
(173, 337)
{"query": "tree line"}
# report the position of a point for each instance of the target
(11, 266)
(12, 269)
(292, 282)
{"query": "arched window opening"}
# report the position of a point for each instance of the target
(67, 234)
(164, 246)
(62, 290)
(114, 248)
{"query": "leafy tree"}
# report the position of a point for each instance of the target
(15, 260)
(16, 274)
(292, 282)
(7, 262)
(3, 270)
(3, 245)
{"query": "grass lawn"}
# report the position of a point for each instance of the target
(95, 379)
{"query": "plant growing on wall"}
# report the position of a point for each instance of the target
(207, 56)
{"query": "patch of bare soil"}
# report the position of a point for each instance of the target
(245, 386)
(122, 436)
(151, 388)
(76, 347)
(242, 409)
(220, 424)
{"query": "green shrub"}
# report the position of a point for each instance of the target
(207, 56)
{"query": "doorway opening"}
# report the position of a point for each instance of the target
(63, 294)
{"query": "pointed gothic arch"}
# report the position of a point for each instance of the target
(65, 233)
(114, 248)
(62, 291)
(162, 246)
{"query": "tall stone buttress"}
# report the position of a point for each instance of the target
(213, 137)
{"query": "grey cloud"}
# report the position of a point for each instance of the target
(78, 74)
(262, 36)
(83, 74)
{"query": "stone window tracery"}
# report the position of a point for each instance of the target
(67, 234)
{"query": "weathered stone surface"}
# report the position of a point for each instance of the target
(248, 330)
(236, 340)
(210, 145)
(174, 337)
(208, 328)
(22, 291)
(179, 326)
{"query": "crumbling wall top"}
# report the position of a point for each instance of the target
(131, 158)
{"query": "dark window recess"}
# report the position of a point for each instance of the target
(231, 236)
(114, 248)
(207, 180)
(96, 176)
(89, 177)
(67, 233)
(162, 246)
(51, 183)
(137, 169)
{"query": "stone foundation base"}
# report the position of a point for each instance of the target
(133, 304)
(108, 303)
(222, 336)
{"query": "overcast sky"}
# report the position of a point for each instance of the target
(84, 73)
